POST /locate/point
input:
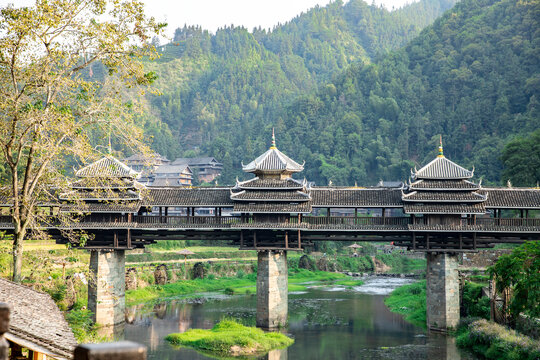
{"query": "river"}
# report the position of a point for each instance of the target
(326, 322)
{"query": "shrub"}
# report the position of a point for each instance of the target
(494, 341)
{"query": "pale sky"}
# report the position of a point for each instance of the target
(213, 14)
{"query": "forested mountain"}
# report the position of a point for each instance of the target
(473, 76)
(218, 90)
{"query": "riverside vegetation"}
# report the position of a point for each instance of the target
(521, 272)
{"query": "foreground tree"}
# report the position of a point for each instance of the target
(52, 105)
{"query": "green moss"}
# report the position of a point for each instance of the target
(410, 301)
(230, 338)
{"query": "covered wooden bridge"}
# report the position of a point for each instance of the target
(440, 211)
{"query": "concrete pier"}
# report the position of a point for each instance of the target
(107, 287)
(442, 291)
(272, 289)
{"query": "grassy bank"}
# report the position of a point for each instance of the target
(229, 338)
(410, 301)
(229, 285)
(494, 341)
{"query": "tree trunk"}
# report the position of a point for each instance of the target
(18, 256)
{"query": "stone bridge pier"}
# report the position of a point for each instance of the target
(107, 287)
(272, 289)
(442, 291)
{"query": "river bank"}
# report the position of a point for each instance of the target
(327, 320)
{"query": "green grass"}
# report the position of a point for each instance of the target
(494, 341)
(234, 285)
(349, 282)
(230, 338)
(410, 301)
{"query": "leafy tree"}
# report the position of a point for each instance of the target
(521, 160)
(520, 272)
(50, 108)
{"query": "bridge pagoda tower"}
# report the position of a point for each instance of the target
(270, 201)
(107, 195)
(440, 197)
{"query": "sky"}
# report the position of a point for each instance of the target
(213, 14)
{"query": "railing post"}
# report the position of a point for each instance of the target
(5, 311)
(122, 350)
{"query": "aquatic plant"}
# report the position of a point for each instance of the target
(230, 338)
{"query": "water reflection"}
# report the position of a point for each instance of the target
(340, 324)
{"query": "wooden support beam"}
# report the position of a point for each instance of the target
(414, 240)
(460, 240)
(255, 239)
(241, 238)
(115, 239)
(299, 240)
(474, 241)
(427, 241)
(286, 239)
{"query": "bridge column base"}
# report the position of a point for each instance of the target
(442, 291)
(107, 287)
(272, 289)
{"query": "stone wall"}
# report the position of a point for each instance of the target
(483, 258)
(272, 289)
(106, 287)
(442, 291)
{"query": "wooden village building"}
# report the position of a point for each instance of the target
(207, 168)
(37, 327)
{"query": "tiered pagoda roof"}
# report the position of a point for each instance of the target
(273, 161)
(106, 185)
(272, 190)
(442, 187)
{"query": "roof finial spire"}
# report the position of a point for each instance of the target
(273, 140)
(440, 147)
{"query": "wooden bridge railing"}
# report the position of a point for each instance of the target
(52, 221)
(358, 221)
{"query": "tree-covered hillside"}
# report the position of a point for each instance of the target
(218, 90)
(473, 76)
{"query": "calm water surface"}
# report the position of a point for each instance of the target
(325, 322)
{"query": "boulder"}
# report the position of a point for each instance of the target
(160, 275)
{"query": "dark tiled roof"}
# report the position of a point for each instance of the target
(339, 197)
(244, 207)
(172, 169)
(444, 185)
(444, 196)
(442, 168)
(101, 183)
(197, 161)
(444, 209)
(36, 319)
(103, 207)
(271, 184)
(273, 160)
(199, 197)
(107, 167)
(512, 198)
(270, 195)
(105, 195)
